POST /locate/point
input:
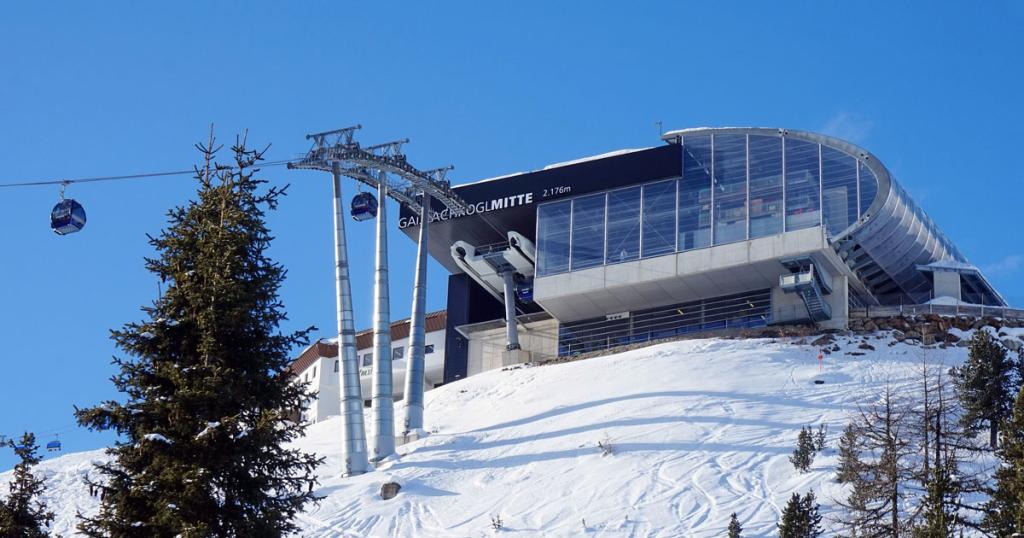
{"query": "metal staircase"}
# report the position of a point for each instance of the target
(811, 285)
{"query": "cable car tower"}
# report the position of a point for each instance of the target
(382, 167)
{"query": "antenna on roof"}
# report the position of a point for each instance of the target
(661, 130)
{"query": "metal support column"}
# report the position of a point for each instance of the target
(383, 389)
(353, 429)
(511, 329)
(415, 367)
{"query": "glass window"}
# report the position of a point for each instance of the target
(624, 225)
(553, 238)
(802, 185)
(659, 218)
(428, 349)
(587, 232)
(765, 185)
(314, 371)
(868, 188)
(368, 359)
(397, 353)
(838, 189)
(335, 366)
(695, 194)
(730, 184)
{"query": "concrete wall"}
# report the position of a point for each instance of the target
(676, 278)
(538, 339)
(946, 284)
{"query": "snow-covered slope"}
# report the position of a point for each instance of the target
(698, 429)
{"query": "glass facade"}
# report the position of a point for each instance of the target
(734, 187)
(803, 184)
(659, 219)
(553, 237)
(765, 185)
(588, 231)
(624, 225)
(695, 194)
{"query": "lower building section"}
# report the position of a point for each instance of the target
(741, 310)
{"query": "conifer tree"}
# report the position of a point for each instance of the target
(800, 518)
(939, 518)
(875, 505)
(986, 385)
(821, 438)
(207, 391)
(22, 513)
(947, 473)
(803, 455)
(735, 529)
(1005, 509)
(849, 455)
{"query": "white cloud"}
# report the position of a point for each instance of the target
(1006, 266)
(848, 126)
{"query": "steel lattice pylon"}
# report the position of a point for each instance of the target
(385, 168)
(405, 182)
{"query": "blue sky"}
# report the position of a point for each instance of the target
(933, 89)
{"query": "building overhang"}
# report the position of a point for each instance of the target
(685, 276)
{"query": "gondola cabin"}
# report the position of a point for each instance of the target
(364, 206)
(67, 217)
(53, 446)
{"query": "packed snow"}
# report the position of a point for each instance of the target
(696, 430)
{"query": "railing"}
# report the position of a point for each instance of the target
(978, 311)
(731, 312)
(924, 303)
(795, 279)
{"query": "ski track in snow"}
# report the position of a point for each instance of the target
(699, 429)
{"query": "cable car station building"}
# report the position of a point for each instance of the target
(717, 228)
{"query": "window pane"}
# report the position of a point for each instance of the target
(802, 178)
(624, 225)
(695, 194)
(553, 238)
(368, 359)
(587, 232)
(659, 218)
(765, 185)
(838, 189)
(428, 349)
(730, 183)
(397, 353)
(868, 188)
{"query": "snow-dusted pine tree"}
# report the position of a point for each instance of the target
(800, 517)
(849, 465)
(987, 384)
(1006, 507)
(803, 454)
(735, 529)
(22, 514)
(203, 424)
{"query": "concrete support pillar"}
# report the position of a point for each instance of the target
(383, 389)
(415, 367)
(839, 302)
(511, 327)
(353, 430)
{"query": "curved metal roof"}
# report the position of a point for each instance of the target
(892, 237)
